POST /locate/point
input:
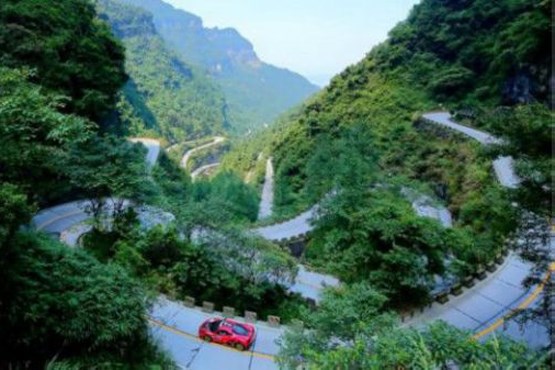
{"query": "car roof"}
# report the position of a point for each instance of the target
(232, 322)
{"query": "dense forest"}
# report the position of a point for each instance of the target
(256, 92)
(61, 71)
(362, 140)
(74, 84)
(164, 95)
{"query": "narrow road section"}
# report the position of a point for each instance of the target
(267, 199)
(297, 226)
(153, 147)
(482, 307)
(189, 153)
(503, 166)
(199, 171)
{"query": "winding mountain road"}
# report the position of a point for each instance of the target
(480, 309)
(172, 323)
(189, 153)
(503, 166)
(267, 198)
(199, 171)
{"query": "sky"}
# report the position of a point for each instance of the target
(316, 38)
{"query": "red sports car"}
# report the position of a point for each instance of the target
(228, 332)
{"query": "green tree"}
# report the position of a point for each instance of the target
(73, 53)
(377, 343)
(374, 234)
(35, 136)
(58, 302)
(14, 211)
(107, 168)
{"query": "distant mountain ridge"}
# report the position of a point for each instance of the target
(164, 94)
(257, 92)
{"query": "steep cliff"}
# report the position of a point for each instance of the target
(257, 92)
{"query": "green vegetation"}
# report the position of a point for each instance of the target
(227, 267)
(444, 53)
(165, 96)
(350, 330)
(65, 104)
(527, 131)
(73, 54)
(63, 304)
(224, 267)
(255, 92)
(60, 72)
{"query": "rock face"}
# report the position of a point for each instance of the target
(256, 91)
(528, 85)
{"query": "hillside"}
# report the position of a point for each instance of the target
(472, 57)
(164, 94)
(107, 247)
(60, 73)
(256, 91)
(364, 131)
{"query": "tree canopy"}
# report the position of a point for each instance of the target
(73, 53)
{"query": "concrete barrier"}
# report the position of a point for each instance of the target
(207, 307)
(469, 281)
(456, 289)
(274, 321)
(481, 273)
(228, 311)
(250, 316)
(442, 297)
(189, 302)
(491, 267)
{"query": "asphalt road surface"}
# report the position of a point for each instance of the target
(153, 147)
(267, 198)
(175, 326)
(199, 171)
(503, 166)
(185, 159)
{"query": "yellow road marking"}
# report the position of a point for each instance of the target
(197, 339)
(527, 302)
(51, 221)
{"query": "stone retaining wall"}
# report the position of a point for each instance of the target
(458, 287)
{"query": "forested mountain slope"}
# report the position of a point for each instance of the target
(364, 131)
(60, 73)
(164, 94)
(473, 56)
(256, 91)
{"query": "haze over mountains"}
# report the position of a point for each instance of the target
(255, 93)
(164, 95)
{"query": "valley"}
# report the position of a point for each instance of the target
(155, 173)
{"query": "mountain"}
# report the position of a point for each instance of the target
(164, 94)
(256, 91)
(473, 56)
(489, 63)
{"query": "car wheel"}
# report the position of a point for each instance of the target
(206, 338)
(239, 346)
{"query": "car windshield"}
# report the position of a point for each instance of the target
(240, 330)
(213, 326)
